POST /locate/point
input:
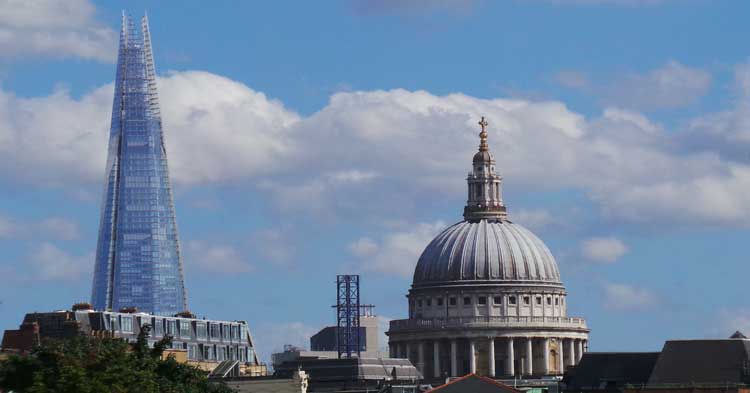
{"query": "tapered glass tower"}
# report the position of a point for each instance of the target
(138, 262)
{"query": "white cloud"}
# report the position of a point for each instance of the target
(411, 7)
(535, 219)
(272, 337)
(600, 2)
(52, 28)
(363, 247)
(215, 258)
(398, 252)
(732, 320)
(48, 228)
(59, 228)
(603, 249)
(275, 246)
(671, 86)
(573, 79)
(623, 297)
(7, 229)
(49, 262)
(379, 153)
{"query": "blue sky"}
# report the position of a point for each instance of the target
(310, 139)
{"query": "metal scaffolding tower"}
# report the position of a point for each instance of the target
(347, 312)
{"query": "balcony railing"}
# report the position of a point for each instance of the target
(489, 322)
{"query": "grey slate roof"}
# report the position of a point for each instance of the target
(703, 361)
(608, 370)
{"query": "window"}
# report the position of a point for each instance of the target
(512, 300)
(115, 324)
(215, 332)
(538, 300)
(225, 331)
(191, 352)
(556, 301)
(452, 301)
(482, 300)
(429, 302)
(549, 301)
(200, 328)
(497, 300)
(467, 301)
(127, 324)
(439, 301)
(184, 328)
(158, 327)
(419, 303)
(526, 300)
(171, 327)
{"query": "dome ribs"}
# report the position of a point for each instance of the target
(486, 251)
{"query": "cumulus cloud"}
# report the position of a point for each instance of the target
(624, 297)
(49, 262)
(49, 228)
(378, 153)
(573, 79)
(536, 219)
(671, 86)
(274, 245)
(54, 29)
(363, 247)
(603, 249)
(272, 337)
(397, 252)
(600, 2)
(411, 7)
(215, 258)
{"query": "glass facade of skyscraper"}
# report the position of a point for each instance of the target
(138, 261)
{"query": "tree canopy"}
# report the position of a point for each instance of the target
(85, 364)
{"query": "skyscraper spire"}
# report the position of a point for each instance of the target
(485, 199)
(138, 261)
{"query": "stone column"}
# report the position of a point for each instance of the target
(545, 357)
(420, 358)
(454, 359)
(529, 356)
(436, 358)
(560, 356)
(472, 357)
(492, 356)
(571, 352)
(510, 370)
(579, 352)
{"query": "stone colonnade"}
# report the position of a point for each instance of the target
(501, 356)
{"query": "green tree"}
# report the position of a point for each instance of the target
(85, 364)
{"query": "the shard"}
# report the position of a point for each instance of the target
(138, 261)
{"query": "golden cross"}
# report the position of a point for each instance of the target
(483, 123)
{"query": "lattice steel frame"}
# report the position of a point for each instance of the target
(347, 313)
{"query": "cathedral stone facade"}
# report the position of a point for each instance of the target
(487, 296)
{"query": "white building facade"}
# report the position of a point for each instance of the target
(487, 296)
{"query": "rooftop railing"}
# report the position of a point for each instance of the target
(488, 322)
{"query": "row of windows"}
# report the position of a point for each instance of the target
(215, 352)
(176, 328)
(496, 300)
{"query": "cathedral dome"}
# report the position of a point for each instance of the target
(485, 248)
(486, 251)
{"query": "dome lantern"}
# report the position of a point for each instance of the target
(485, 200)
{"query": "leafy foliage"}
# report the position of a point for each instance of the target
(88, 364)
